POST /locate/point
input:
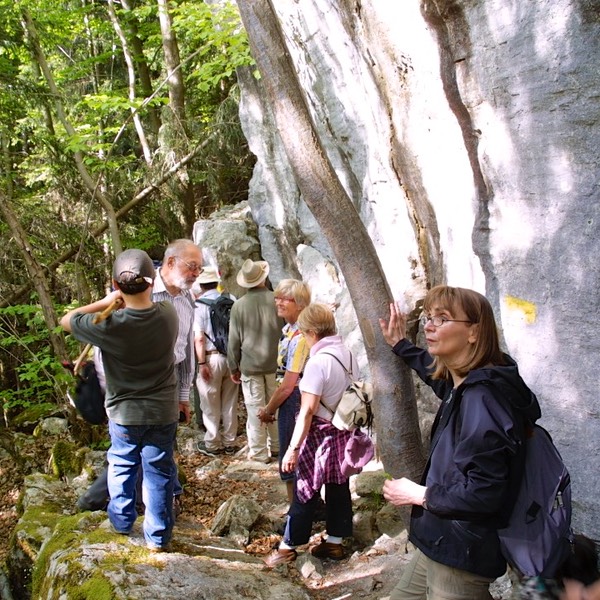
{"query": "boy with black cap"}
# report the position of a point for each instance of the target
(137, 345)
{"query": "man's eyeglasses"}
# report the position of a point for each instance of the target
(191, 266)
(438, 321)
(281, 299)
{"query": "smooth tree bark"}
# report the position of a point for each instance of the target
(177, 106)
(396, 418)
(172, 62)
(145, 80)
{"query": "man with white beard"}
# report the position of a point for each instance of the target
(182, 263)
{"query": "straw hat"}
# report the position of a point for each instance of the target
(252, 273)
(209, 275)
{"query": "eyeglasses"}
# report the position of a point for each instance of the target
(280, 299)
(191, 266)
(438, 321)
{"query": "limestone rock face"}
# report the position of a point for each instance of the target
(465, 134)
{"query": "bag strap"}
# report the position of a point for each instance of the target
(348, 373)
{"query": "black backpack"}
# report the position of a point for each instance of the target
(538, 537)
(89, 397)
(220, 313)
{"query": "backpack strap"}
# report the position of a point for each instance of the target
(348, 373)
(207, 302)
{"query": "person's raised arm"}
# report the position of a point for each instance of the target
(94, 307)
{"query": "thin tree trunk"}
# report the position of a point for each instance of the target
(142, 196)
(137, 50)
(172, 60)
(131, 80)
(37, 275)
(177, 105)
(398, 434)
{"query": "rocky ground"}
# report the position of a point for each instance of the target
(368, 572)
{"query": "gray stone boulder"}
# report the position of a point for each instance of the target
(235, 519)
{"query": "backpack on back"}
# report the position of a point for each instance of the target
(538, 537)
(220, 313)
(88, 398)
(354, 408)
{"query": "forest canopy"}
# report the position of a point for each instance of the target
(119, 127)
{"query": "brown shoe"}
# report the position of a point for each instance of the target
(329, 550)
(280, 557)
(158, 549)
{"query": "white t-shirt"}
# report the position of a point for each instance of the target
(324, 376)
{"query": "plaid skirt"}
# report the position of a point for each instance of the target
(320, 458)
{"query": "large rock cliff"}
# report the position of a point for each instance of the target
(464, 132)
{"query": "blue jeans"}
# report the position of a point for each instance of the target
(286, 421)
(152, 447)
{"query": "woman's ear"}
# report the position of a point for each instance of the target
(473, 333)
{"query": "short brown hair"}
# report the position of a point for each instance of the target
(318, 318)
(478, 310)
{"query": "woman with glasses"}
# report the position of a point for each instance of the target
(467, 490)
(291, 297)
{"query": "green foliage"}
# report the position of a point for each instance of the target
(31, 375)
(219, 39)
(39, 175)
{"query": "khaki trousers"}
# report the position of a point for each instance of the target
(425, 579)
(218, 401)
(257, 390)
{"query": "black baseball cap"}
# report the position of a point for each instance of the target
(133, 266)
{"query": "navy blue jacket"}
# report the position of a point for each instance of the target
(474, 465)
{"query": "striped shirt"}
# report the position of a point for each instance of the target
(184, 346)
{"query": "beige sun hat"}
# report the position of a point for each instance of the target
(252, 273)
(209, 275)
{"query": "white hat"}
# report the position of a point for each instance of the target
(252, 273)
(209, 275)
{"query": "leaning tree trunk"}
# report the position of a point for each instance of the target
(37, 275)
(398, 435)
(92, 186)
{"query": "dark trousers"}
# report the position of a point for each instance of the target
(96, 496)
(338, 510)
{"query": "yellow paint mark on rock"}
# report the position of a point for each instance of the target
(527, 309)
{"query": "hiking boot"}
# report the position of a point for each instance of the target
(201, 447)
(280, 557)
(158, 549)
(230, 450)
(115, 530)
(328, 550)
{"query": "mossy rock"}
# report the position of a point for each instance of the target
(66, 459)
(30, 416)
